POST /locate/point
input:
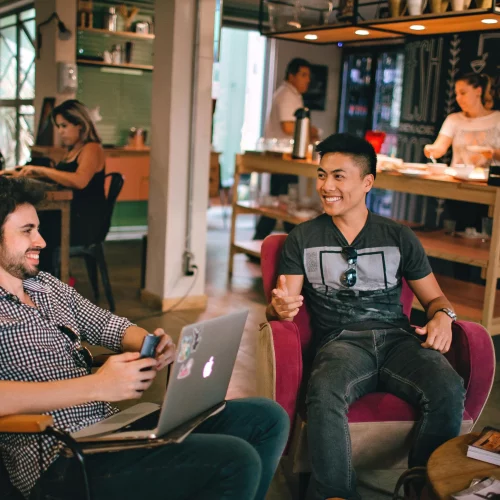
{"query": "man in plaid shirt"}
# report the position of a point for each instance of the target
(44, 369)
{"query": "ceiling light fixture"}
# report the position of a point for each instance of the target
(362, 32)
(489, 21)
(417, 27)
(310, 36)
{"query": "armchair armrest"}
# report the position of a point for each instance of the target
(279, 364)
(25, 423)
(473, 356)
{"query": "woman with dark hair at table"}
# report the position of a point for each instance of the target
(82, 170)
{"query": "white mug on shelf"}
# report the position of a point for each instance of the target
(416, 7)
(457, 5)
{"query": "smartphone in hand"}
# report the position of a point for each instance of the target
(149, 345)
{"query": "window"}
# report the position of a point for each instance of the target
(238, 87)
(17, 85)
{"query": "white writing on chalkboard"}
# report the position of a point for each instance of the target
(412, 128)
(423, 71)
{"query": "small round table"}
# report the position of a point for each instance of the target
(449, 470)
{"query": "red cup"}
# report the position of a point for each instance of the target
(376, 139)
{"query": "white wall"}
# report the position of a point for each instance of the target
(327, 55)
(170, 151)
(53, 50)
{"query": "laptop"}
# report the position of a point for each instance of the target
(197, 387)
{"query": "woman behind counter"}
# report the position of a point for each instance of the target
(475, 125)
(82, 170)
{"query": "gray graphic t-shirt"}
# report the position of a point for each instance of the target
(387, 252)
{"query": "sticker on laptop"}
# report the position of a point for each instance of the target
(185, 370)
(197, 338)
(185, 348)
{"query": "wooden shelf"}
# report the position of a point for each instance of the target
(335, 34)
(251, 207)
(122, 34)
(474, 252)
(396, 27)
(436, 243)
(89, 62)
(466, 298)
(436, 24)
(472, 302)
(248, 247)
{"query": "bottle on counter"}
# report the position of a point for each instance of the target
(301, 133)
(111, 19)
(116, 54)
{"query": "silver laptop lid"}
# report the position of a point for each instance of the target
(200, 375)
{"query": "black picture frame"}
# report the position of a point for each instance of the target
(315, 97)
(45, 132)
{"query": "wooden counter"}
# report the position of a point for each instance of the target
(60, 199)
(472, 302)
(133, 164)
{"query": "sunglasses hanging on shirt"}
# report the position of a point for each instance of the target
(348, 278)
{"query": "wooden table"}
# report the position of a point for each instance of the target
(450, 471)
(60, 199)
(472, 302)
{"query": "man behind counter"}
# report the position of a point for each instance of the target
(280, 124)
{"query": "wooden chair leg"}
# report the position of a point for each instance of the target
(103, 268)
(91, 265)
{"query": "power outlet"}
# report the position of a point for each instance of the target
(189, 267)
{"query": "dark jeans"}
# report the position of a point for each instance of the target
(232, 455)
(356, 363)
(266, 225)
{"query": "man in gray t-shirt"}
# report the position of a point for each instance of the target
(349, 265)
(386, 253)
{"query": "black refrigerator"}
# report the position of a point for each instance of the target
(372, 84)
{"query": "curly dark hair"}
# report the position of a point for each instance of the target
(17, 191)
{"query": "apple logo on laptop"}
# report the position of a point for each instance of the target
(207, 369)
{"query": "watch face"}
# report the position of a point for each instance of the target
(450, 313)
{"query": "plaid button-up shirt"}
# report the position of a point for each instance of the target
(34, 349)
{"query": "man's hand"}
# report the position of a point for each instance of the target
(286, 307)
(122, 377)
(438, 331)
(165, 351)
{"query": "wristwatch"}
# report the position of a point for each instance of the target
(449, 312)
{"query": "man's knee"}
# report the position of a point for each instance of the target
(239, 458)
(448, 394)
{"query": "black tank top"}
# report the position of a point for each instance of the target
(87, 207)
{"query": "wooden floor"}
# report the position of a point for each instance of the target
(244, 291)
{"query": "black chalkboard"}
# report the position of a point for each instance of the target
(431, 67)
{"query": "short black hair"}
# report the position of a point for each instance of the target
(15, 191)
(360, 150)
(294, 66)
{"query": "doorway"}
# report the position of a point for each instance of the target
(238, 87)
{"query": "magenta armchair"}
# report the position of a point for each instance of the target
(380, 424)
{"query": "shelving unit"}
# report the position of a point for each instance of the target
(90, 62)
(472, 302)
(122, 34)
(365, 17)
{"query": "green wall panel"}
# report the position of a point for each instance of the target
(124, 100)
(130, 213)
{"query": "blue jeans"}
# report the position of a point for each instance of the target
(356, 363)
(232, 455)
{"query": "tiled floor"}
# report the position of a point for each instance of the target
(243, 291)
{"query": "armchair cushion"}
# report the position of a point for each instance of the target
(279, 364)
